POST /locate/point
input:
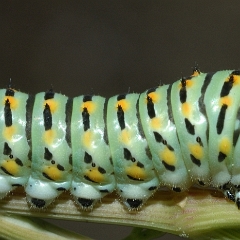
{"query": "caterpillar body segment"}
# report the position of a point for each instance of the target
(93, 175)
(192, 126)
(14, 149)
(136, 178)
(174, 135)
(161, 133)
(51, 153)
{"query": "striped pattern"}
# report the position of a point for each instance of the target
(173, 135)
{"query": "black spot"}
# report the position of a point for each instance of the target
(128, 155)
(170, 148)
(158, 137)
(9, 92)
(152, 188)
(49, 94)
(236, 72)
(60, 167)
(199, 140)
(104, 191)
(227, 86)
(7, 114)
(135, 179)
(7, 150)
(85, 202)
(195, 160)
(189, 127)
(68, 114)
(16, 185)
(183, 92)
(150, 107)
(29, 111)
(61, 189)
(176, 189)
(121, 97)
(221, 117)
(87, 158)
(70, 159)
(86, 120)
(46, 176)
(47, 116)
(101, 170)
(18, 162)
(52, 162)
(87, 98)
(201, 182)
(221, 156)
(7, 172)
(120, 116)
(89, 179)
(47, 154)
(168, 167)
(140, 165)
(134, 203)
(39, 203)
(30, 155)
(148, 153)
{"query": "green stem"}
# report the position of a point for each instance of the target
(143, 234)
(191, 214)
(28, 228)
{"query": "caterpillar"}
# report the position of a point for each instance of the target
(175, 135)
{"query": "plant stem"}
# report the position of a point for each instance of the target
(191, 214)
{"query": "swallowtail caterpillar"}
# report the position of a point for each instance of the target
(173, 135)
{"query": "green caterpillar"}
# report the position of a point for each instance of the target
(173, 135)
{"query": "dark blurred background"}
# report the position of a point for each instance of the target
(110, 47)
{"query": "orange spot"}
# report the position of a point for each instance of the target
(49, 136)
(87, 138)
(125, 136)
(154, 96)
(195, 73)
(89, 105)
(196, 150)
(236, 79)
(189, 83)
(124, 104)
(13, 102)
(186, 109)
(52, 103)
(168, 156)
(8, 132)
(225, 146)
(53, 172)
(136, 172)
(94, 175)
(226, 100)
(155, 123)
(11, 166)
